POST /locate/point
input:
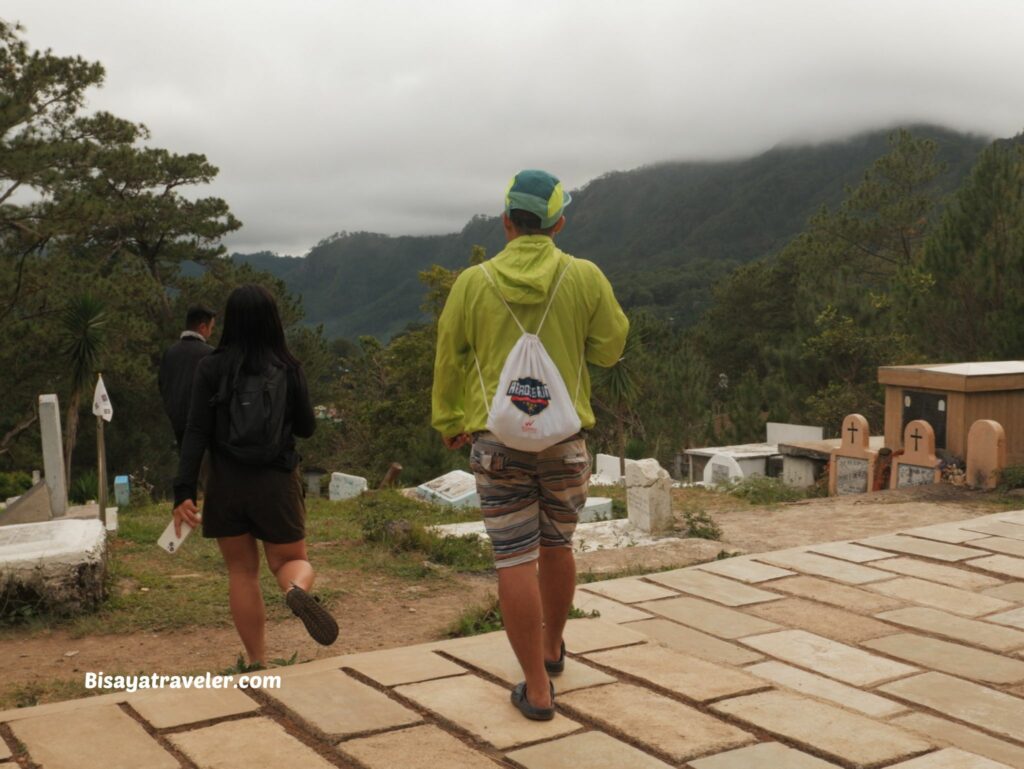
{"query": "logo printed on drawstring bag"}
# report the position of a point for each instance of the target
(531, 408)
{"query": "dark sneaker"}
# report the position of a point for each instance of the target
(528, 710)
(320, 625)
(556, 667)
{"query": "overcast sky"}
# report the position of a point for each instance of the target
(410, 117)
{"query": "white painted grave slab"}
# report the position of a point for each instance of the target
(53, 453)
(779, 432)
(457, 488)
(606, 470)
(722, 469)
(63, 561)
(345, 486)
(596, 509)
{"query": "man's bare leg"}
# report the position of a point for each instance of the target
(519, 595)
(557, 586)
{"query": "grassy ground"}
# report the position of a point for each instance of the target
(380, 533)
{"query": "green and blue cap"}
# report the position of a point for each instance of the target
(539, 193)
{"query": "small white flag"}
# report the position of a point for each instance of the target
(101, 401)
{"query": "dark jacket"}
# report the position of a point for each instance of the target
(207, 424)
(175, 380)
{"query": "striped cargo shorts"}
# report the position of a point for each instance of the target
(529, 500)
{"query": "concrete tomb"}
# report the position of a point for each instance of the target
(986, 453)
(649, 496)
(53, 454)
(345, 486)
(31, 507)
(917, 465)
(722, 469)
(852, 465)
(607, 470)
(596, 509)
(457, 488)
(60, 564)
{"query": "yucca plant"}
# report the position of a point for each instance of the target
(617, 389)
(83, 323)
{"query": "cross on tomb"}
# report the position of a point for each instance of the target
(852, 431)
(916, 436)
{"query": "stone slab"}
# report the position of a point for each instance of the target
(840, 596)
(939, 551)
(5, 752)
(949, 758)
(252, 743)
(1014, 618)
(849, 737)
(970, 631)
(1001, 545)
(826, 689)
(766, 755)
(391, 667)
(709, 617)
(344, 486)
(690, 641)
(593, 750)
(418, 747)
(1012, 591)
(953, 533)
(588, 635)
(628, 590)
(484, 710)
(684, 674)
(335, 705)
(712, 587)
(596, 509)
(1000, 564)
(745, 570)
(828, 621)
(835, 660)
(823, 566)
(848, 551)
(955, 659)
(457, 488)
(494, 655)
(1003, 529)
(661, 724)
(933, 572)
(971, 740)
(608, 610)
(165, 709)
(104, 737)
(1013, 516)
(942, 597)
(965, 701)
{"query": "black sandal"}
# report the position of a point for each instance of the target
(320, 625)
(556, 667)
(531, 711)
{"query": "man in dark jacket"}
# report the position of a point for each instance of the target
(179, 365)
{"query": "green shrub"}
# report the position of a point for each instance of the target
(14, 484)
(760, 490)
(1011, 477)
(486, 618)
(700, 525)
(84, 487)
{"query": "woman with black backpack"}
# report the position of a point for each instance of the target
(249, 402)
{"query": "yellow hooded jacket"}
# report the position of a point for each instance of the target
(585, 324)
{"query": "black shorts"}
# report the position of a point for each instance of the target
(265, 502)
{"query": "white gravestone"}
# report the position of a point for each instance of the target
(53, 454)
(649, 496)
(345, 486)
(457, 488)
(607, 470)
(721, 469)
(780, 432)
(596, 509)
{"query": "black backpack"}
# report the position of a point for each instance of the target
(254, 410)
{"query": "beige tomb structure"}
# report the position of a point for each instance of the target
(917, 465)
(951, 398)
(851, 467)
(986, 453)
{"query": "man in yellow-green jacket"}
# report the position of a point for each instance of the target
(530, 501)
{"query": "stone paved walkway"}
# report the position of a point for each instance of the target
(904, 650)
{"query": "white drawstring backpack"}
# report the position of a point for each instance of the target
(531, 409)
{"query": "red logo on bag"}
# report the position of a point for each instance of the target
(528, 426)
(529, 395)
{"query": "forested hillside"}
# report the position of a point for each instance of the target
(664, 234)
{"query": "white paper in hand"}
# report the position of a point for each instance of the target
(170, 541)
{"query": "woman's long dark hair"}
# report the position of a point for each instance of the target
(253, 330)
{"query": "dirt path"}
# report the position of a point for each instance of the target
(373, 619)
